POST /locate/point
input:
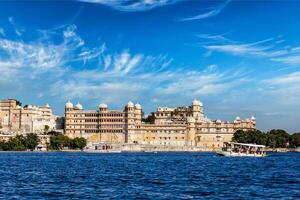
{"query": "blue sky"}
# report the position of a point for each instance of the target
(240, 58)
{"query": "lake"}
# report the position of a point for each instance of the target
(49, 175)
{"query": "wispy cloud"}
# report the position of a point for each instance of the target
(63, 70)
(19, 31)
(215, 11)
(267, 48)
(292, 60)
(2, 32)
(133, 5)
(283, 89)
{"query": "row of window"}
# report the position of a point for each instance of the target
(111, 114)
(165, 131)
(164, 138)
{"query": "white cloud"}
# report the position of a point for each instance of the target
(292, 60)
(292, 78)
(264, 49)
(19, 31)
(2, 32)
(283, 89)
(249, 49)
(208, 14)
(132, 5)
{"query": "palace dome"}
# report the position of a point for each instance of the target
(253, 118)
(79, 106)
(238, 118)
(130, 104)
(69, 104)
(47, 105)
(103, 105)
(138, 106)
(197, 103)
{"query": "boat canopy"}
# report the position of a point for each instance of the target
(245, 144)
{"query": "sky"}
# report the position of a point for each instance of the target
(240, 58)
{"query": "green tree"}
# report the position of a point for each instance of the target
(31, 141)
(16, 143)
(3, 146)
(78, 143)
(58, 142)
(252, 136)
(295, 140)
(278, 138)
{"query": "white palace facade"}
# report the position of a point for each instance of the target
(180, 126)
(15, 119)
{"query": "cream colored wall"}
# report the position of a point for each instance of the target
(212, 139)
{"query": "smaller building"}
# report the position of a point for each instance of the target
(15, 119)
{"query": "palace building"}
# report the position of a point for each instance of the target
(15, 119)
(181, 126)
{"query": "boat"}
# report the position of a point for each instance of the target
(242, 149)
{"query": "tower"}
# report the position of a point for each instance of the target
(138, 113)
(68, 108)
(191, 131)
(129, 120)
(197, 109)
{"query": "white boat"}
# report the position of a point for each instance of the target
(242, 149)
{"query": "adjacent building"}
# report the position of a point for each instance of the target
(181, 126)
(15, 119)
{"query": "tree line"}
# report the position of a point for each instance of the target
(30, 141)
(20, 143)
(59, 141)
(275, 138)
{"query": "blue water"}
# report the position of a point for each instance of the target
(148, 176)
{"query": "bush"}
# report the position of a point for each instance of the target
(58, 142)
(275, 138)
(20, 143)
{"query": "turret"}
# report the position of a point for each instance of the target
(69, 106)
(103, 107)
(138, 113)
(79, 106)
(197, 109)
(191, 131)
(130, 120)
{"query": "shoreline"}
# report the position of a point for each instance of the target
(154, 150)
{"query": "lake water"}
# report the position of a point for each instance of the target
(30, 175)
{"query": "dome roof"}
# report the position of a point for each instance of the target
(219, 121)
(197, 103)
(103, 105)
(69, 104)
(253, 118)
(79, 106)
(130, 104)
(29, 106)
(191, 120)
(238, 118)
(47, 105)
(138, 106)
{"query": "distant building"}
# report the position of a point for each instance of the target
(15, 119)
(179, 126)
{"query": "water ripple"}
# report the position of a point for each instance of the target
(146, 176)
